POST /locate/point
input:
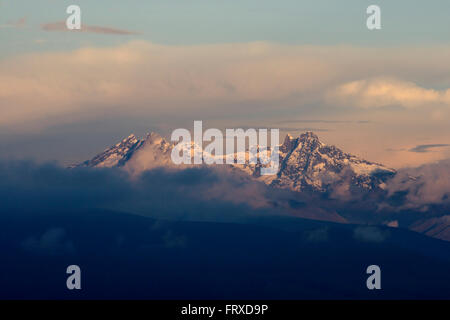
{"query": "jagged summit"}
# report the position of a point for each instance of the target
(153, 137)
(115, 155)
(119, 154)
(288, 144)
(309, 135)
(305, 163)
(309, 138)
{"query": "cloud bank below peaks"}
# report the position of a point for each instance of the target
(423, 186)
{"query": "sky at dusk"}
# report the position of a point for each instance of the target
(143, 66)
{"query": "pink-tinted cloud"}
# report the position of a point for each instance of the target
(20, 23)
(386, 92)
(61, 26)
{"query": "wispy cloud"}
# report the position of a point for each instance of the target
(199, 192)
(427, 147)
(370, 234)
(315, 121)
(52, 242)
(61, 26)
(20, 23)
(284, 129)
(394, 149)
(302, 129)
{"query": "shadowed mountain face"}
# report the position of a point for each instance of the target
(309, 164)
(124, 256)
(436, 227)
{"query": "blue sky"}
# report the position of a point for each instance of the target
(323, 22)
(67, 95)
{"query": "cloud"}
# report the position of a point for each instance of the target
(139, 84)
(52, 242)
(317, 235)
(370, 234)
(20, 23)
(420, 187)
(174, 241)
(392, 224)
(318, 121)
(283, 128)
(387, 92)
(200, 193)
(426, 147)
(204, 193)
(61, 26)
(144, 79)
(141, 77)
(302, 129)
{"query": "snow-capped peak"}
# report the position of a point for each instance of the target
(119, 154)
(305, 163)
(115, 155)
(309, 136)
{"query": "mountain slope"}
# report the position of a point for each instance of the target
(307, 163)
(116, 155)
(276, 258)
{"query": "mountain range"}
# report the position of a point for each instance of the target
(306, 163)
(326, 183)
